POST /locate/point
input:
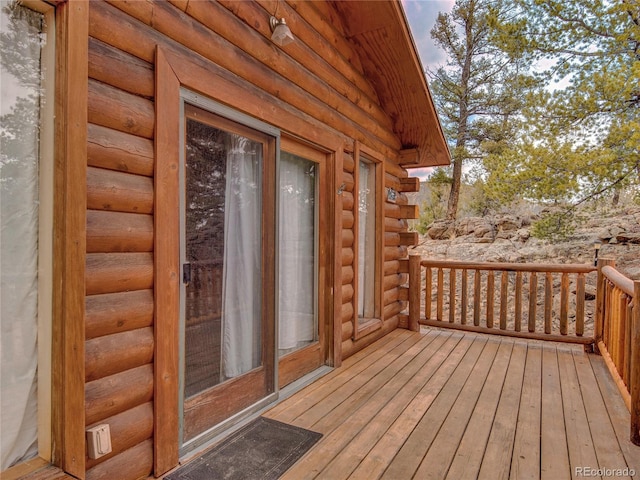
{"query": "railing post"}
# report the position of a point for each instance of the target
(415, 286)
(598, 322)
(634, 378)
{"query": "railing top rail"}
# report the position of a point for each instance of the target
(512, 267)
(618, 279)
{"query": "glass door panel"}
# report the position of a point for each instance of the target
(225, 349)
(301, 322)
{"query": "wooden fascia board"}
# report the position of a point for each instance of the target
(415, 118)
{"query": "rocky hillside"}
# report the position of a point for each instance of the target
(507, 238)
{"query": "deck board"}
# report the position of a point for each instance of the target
(496, 461)
(446, 404)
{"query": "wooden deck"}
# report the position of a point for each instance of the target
(459, 405)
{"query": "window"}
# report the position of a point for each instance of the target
(297, 248)
(366, 239)
(368, 244)
(26, 214)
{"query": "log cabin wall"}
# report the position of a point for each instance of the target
(328, 88)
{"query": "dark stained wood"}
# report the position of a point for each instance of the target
(509, 333)
(490, 297)
(378, 38)
(128, 429)
(297, 54)
(107, 63)
(114, 150)
(564, 303)
(118, 312)
(118, 191)
(548, 301)
(119, 232)
(464, 299)
(518, 302)
(118, 352)
(67, 402)
(114, 108)
(219, 403)
(118, 272)
(135, 462)
(533, 302)
(315, 89)
(414, 293)
(327, 33)
(452, 295)
(504, 296)
(117, 393)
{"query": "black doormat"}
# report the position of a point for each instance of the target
(262, 449)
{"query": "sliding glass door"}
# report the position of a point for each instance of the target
(227, 259)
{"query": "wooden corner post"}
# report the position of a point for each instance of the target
(634, 378)
(598, 324)
(415, 285)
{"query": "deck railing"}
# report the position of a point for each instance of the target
(538, 301)
(617, 335)
(503, 298)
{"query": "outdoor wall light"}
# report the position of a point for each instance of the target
(281, 33)
(596, 248)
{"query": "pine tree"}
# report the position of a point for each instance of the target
(480, 91)
(582, 136)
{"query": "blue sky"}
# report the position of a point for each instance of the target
(422, 16)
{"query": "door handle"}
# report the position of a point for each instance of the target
(186, 273)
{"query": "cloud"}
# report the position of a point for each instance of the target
(422, 15)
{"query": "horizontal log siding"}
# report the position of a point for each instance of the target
(328, 92)
(119, 270)
(395, 296)
(395, 291)
(348, 258)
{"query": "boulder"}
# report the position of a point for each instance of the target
(441, 230)
(628, 238)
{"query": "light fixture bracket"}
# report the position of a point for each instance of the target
(281, 33)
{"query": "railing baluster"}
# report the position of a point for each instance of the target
(427, 293)
(504, 290)
(452, 295)
(564, 303)
(518, 302)
(476, 298)
(533, 301)
(465, 297)
(620, 329)
(440, 299)
(548, 302)
(628, 333)
(617, 312)
(490, 294)
(580, 304)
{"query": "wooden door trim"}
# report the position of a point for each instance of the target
(69, 237)
(166, 274)
(315, 355)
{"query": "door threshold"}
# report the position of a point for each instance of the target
(242, 418)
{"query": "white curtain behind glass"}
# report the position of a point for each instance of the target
(241, 290)
(366, 239)
(297, 313)
(19, 154)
